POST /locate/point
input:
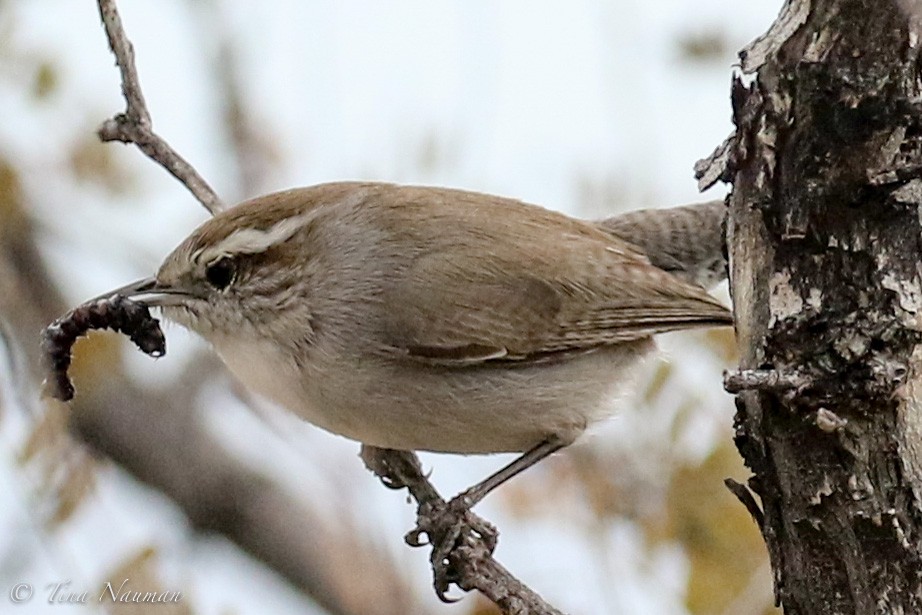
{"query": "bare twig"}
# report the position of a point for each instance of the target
(741, 380)
(715, 167)
(135, 126)
(744, 495)
(470, 560)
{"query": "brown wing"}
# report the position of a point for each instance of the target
(524, 283)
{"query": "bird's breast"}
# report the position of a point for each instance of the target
(390, 404)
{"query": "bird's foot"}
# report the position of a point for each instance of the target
(450, 528)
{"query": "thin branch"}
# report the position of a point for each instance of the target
(741, 380)
(744, 495)
(470, 560)
(135, 125)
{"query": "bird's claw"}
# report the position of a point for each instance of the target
(448, 527)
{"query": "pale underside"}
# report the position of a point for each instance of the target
(472, 410)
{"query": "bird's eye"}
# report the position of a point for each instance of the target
(221, 273)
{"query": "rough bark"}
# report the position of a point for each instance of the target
(824, 243)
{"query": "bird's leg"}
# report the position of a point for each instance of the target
(467, 499)
(456, 526)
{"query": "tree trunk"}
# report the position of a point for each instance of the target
(824, 246)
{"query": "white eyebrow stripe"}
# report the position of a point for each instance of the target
(254, 241)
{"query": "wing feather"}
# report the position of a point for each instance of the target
(521, 283)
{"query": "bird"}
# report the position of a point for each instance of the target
(435, 319)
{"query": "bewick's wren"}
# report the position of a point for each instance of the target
(433, 319)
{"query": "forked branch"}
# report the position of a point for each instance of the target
(135, 125)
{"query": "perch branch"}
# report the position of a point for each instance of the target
(470, 561)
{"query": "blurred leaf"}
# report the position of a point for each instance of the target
(723, 342)
(580, 479)
(78, 482)
(723, 544)
(46, 80)
(12, 215)
(48, 433)
(139, 574)
(528, 497)
(95, 162)
(698, 47)
(657, 382)
(683, 416)
(609, 494)
(67, 472)
(27, 295)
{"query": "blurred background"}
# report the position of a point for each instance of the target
(168, 474)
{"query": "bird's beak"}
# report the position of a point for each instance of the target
(148, 292)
